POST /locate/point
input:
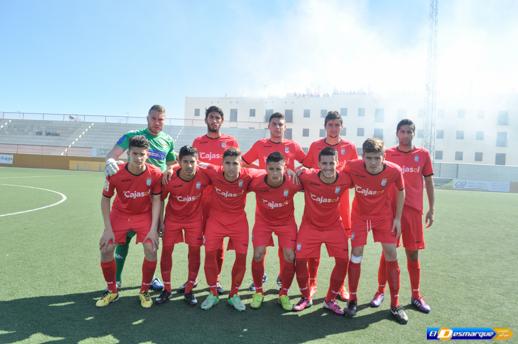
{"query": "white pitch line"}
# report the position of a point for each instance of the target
(63, 199)
(24, 177)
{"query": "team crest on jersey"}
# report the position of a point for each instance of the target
(299, 247)
(416, 158)
(343, 151)
(384, 182)
(286, 192)
(240, 183)
(148, 182)
(337, 190)
(286, 149)
(223, 145)
(198, 185)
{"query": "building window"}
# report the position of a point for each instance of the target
(252, 112)
(289, 116)
(420, 133)
(323, 113)
(459, 156)
(439, 134)
(288, 133)
(233, 115)
(479, 136)
(460, 134)
(359, 150)
(307, 113)
(501, 139)
(305, 149)
(503, 118)
(343, 112)
(478, 156)
(322, 133)
(361, 112)
(360, 132)
(267, 114)
(500, 159)
(305, 132)
(343, 132)
(197, 112)
(378, 133)
(461, 113)
(379, 116)
(438, 155)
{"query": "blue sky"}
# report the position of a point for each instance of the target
(119, 57)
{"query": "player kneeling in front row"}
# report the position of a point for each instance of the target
(136, 209)
(274, 213)
(372, 210)
(183, 221)
(322, 224)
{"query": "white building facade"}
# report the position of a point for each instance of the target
(476, 131)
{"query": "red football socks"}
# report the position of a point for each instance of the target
(238, 273)
(148, 270)
(109, 271)
(354, 279)
(414, 271)
(393, 274)
(257, 274)
(166, 264)
(337, 278)
(301, 267)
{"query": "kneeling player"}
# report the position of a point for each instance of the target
(227, 218)
(322, 224)
(136, 209)
(372, 210)
(183, 221)
(274, 213)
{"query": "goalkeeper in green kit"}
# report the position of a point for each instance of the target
(161, 154)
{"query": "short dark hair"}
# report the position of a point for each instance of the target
(186, 151)
(332, 115)
(231, 152)
(214, 108)
(327, 151)
(373, 145)
(275, 157)
(406, 121)
(157, 108)
(275, 115)
(138, 141)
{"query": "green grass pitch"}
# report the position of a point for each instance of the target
(50, 276)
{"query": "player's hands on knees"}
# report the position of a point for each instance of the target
(107, 238)
(152, 237)
(396, 228)
(111, 167)
(293, 176)
(429, 218)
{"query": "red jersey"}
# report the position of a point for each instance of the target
(133, 191)
(228, 199)
(184, 203)
(346, 151)
(415, 165)
(372, 197)
(211, 150)
(263, 147)
(322, 201)
(274, 205)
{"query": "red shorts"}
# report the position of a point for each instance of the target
(216, 231)
(190, 233)
(123, 223)
(381, 231)
(310, 238)
(412, 229)
(345, 212)
(286, 234)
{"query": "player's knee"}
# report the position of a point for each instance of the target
(356, 259)
(390, 253)
(107, 252)
(357, 251)
(149, 251)
(259, 253)
(289, 255)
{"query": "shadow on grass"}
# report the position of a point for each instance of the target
(74, 317)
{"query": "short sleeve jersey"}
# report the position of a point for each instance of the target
(322, 200)
(274, 205)
(184, 204)
(263, 147)
(133, 191)
(415, 165)
(160, 147)
(211, 150)
(372, 199)
(228, 199)
(346, 151)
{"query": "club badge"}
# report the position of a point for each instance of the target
(416, 158)
(343, 151)
(198, 185)
(286, 149)
(240, 183)
(286, 192)
(337, 190)
(148, 182)
(384, 182)
(223, 145)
